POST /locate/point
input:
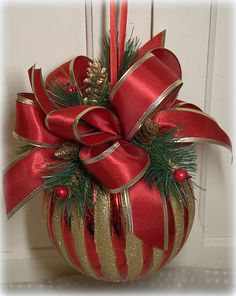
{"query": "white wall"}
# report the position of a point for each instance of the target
(49, 34)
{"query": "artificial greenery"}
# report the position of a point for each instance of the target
(24, 148)
(130, 52)
(166, 155)
(64, 95)
(80, 182)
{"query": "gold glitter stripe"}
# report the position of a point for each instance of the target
(57, 232)
(134, 252)
(178, 214)
(134, 255)
(77, 229)
(158, 255)
(103, 239)
(45, 209)
(191, 212)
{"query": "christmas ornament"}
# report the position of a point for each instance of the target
(112, 136)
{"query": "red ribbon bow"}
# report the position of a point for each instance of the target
(147, 90)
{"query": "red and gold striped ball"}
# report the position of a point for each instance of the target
(99, 245)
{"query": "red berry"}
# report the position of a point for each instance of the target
(180, 175)
(73, 88)
(61, 192)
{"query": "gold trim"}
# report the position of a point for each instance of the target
(129, 72)
(202, 141)
(125, 200)
(46, 119)
(37, 144)
(166, 220)
(78, 117)
(90, 134)
(26, 101)
(132, 182)
(18, 158)
(163, 38)
(103, 240)
(71, 70)
(191, 110)
(178, 214)
(33, 88)
(102, 155)
(23, 202)
(157, 103)
(77, 230)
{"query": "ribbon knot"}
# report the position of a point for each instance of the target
(103, 149)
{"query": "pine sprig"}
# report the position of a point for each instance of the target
(24, 148)
(130, 52)
(79, 181)
(65, 95)
(166, 155)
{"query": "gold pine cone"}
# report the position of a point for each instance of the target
(67, 151)
(147, 132)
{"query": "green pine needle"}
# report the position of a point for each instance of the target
(24, 148)
(79, 181)
(130, 52)
(166, 155)
(62, 97)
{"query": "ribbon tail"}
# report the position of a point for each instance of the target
(193, 126)
(29, 124)
(36, 81)
(147, 218)
(156, 42)
(28, 171)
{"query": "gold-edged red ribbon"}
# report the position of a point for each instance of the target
(147, 90)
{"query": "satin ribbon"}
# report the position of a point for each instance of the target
(148, 89)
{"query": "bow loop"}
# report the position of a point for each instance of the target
(90, 125)
(126, 162)
(29, 123)
(150, 84)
